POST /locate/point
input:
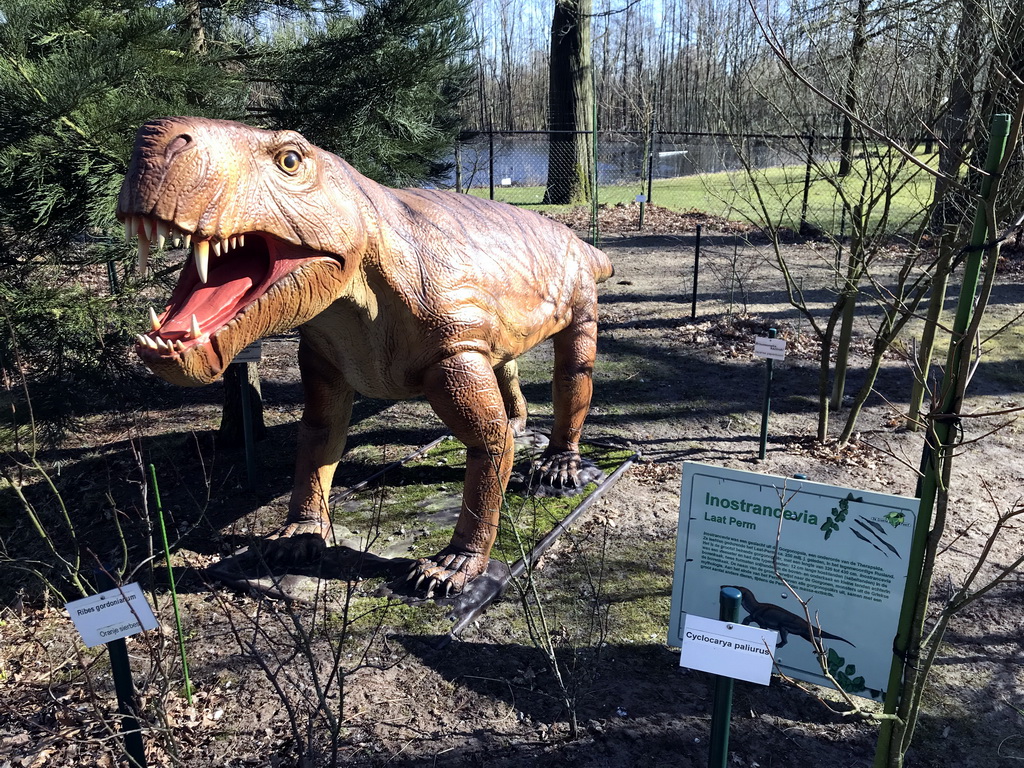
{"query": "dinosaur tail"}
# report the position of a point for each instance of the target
(829, 636)
(601, 264)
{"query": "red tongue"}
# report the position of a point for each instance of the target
(215, 303)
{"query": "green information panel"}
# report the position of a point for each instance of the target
(844, 551)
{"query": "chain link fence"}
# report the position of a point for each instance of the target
(789, 181)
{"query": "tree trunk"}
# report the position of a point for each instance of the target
(570, 106)
(193, 23)
(857, 47)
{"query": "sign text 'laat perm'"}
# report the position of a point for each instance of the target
(773, 349)
(120, 612)
(844, 552)
(727, 648)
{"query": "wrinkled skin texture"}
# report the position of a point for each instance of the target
(396, 294)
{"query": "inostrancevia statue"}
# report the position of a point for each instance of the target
(396, 294)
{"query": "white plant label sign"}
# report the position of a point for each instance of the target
(119, 612)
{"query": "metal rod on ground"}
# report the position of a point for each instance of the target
(497, 587)
(121, 670)
(767, 406)
(393, 465)
(696, 271)
(721, 714)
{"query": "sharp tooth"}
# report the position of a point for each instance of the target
(141, 340)
(143, 259)
(154, 321)
(202, 257)
(234, 242)
(188, 240)
(162, 344)
(162, 231)
(147, 228)
(129, 228)
(241, 240)
(216, 247)
(194, 332)
(178, 346)
(177, 242)
(148, 341)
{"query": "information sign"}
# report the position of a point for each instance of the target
(844, 551)
(251, 354)
(120, 612)
(773, 349)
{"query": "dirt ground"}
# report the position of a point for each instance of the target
(273, 681)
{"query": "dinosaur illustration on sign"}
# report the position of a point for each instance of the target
(771, 616)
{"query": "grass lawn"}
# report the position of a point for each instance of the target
(896, 192)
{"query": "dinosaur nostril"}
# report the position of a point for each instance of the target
(177, 145)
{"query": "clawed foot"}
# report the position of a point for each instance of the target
(446, 573)
(559, 470)
(321, 528)
(562, 474)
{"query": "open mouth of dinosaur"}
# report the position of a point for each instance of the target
(222, 279)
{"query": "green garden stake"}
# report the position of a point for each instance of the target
(721, 713)
(170, 579)
(767, 406)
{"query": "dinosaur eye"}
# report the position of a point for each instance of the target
(289, 161)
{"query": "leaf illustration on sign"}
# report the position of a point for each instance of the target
(831, 524)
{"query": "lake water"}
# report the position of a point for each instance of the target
(521, 160)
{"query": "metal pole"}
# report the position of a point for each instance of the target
(718, 751)
(121, 669)
(490, 158)
(696, 270)
(250, 448)
(807, 184)
(767, 406)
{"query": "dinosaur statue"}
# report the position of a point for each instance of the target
(396, 294)
(771, 616)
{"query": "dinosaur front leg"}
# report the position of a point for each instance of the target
(322, 433)
(572, 387)
(464, 392)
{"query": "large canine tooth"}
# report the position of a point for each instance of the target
(129, 229)
(154, 321)
(202, 257)
(147, 341)
(143, 255)
(216, 247)
(163, 345)
(194, 330)
(162, 231)
(147, 228)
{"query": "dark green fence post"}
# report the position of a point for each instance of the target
(718, 751)
(121, 670)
